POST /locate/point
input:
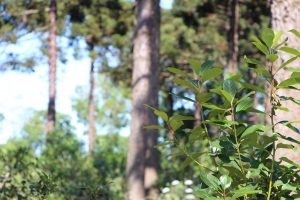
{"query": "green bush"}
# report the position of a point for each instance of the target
(238, 161)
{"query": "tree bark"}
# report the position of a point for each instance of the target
(91, 109)
(233, 35)
(142, 156)
(52, 69)
(286, 16)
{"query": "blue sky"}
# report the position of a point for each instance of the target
(23, 93)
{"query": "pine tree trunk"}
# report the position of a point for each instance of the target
(233, 35)
(142, 156)
(91, 110)
(286, 16)
(52, 69)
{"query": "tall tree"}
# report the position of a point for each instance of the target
(233, 35)
(142, 157)
(286, 16)
(52, 68)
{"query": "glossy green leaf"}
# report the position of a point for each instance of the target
(161, 114)
(223, 93)
(231, 87)
(287, 160)
(206, 66)
(211, 106)
(244, 105)
(203, 97)
(253, 87)
(285, 146)
(290, 126)
(253, 129)
(185, 83)
(225, 181)
(175, 124)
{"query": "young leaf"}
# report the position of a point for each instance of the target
(286, 63)
(244, 105)
(273, 57)
(268, 36)
(195, 65)
(276, 37)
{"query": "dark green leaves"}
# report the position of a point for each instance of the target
(231, 87)
(244, 105)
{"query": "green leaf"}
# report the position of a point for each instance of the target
(205, 194)
(273, 57)
(289, 82)
(223, 93)
(286, 63)
(183, 97)
(184, 83)
(289, 125)
(163, 144)
(285, 186)
(285, 159)
(285, 146)
(245, 96)
(195, 64)
(203, 97)
(288, 138)
(253, 129)
(290, 50)
(268, 36)
(260, 46)
(245, 191)
(154, 127)
(208, 64)
(181, 117)
(283, 98)
(281, 43)
(276, 37)
(161, 114)
(295, 32)
(176, 71)
(251, 60)
(244, 105)
(253, 87)
(175, 124)
(211, 73)
(225, 181)
(211, 106)
(231, 87)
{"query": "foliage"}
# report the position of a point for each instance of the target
(244, 164)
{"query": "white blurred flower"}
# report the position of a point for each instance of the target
(165, 190)
(190, 197)
(175, 182)
(188, 190)
(188, 182)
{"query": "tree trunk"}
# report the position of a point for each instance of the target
(286, 16)
(91, 109)
(142, 156)
(233, 35)
(197, 115)
(52, 69)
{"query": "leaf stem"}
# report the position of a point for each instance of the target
(236, 139)
(272, 92)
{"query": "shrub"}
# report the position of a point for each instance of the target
(243, 154)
